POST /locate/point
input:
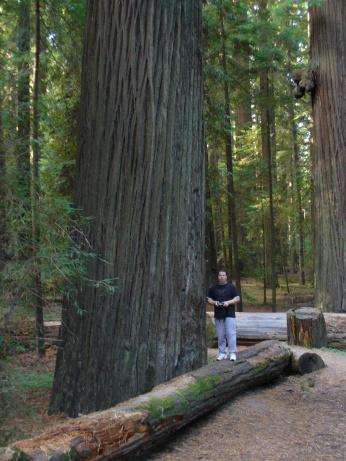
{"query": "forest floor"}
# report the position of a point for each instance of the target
(294, 419)
(297, 419)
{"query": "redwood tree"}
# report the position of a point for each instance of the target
(140, 176)
(328, 61)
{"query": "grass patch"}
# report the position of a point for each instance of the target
(332, 349)
(30, 380)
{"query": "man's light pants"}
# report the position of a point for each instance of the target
(226, 329)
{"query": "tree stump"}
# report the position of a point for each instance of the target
(306, 327)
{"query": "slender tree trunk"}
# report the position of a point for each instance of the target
(328, 60)
(272, 125)
(264, 252)
(267, 157)
(140, 175)
(37, 289)
(211, 255)
(266, 139)
(298, 198)
(242, 92)
(23, 129)
(231, 199)
(284, 268)
(3, 226)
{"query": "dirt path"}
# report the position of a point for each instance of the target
(297, 419)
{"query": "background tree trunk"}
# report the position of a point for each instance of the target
(37, 288)
(210, 244)
(328, 60)
(268, 183)
(232, 220)
(140, 175)
(23, 129)
(3, 229)
(296, 176)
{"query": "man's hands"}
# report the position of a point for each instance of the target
(211, 301)
(225, 303)
(218, 303)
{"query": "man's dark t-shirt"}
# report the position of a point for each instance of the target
(223, 293)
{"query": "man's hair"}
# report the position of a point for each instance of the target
(221, 270)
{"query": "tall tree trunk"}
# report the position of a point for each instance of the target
(266, 140)
(297, 192)
(140, 175)
(23, 129)
(267, 157)
(3, 226)
(219, 225)
(264, 252)
(210, 245)
(37, 289)
(328, 60)
(232, 221)
(241, 56)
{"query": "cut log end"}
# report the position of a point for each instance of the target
(306, 362)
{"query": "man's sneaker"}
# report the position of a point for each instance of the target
(221, 357)
(233, 357)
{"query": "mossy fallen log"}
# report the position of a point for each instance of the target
(146, 420)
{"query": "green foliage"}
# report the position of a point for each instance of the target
(64, 251)
(275, 41)
(31, 380)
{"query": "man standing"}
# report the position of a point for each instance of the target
(224, 296)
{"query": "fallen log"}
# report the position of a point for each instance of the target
(255, 327)
(144, 421)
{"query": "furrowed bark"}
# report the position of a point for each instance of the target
(328, 62)
(140, 176)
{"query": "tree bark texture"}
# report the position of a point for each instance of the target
(328, 62)
(140, 176)
(148, 419)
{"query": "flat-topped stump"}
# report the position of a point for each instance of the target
(306, 327)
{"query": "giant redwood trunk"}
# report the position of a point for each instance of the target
(140, 176)
(328, 60)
